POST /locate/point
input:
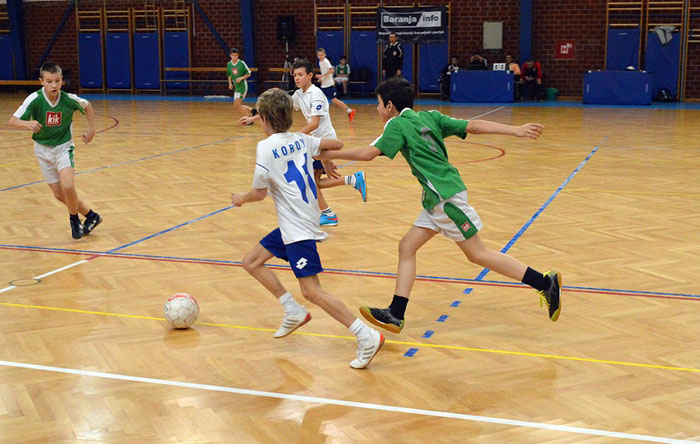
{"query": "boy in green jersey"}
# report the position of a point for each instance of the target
(49, 114)
(419, 137)
(238, 72)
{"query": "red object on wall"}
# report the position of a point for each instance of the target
(565, 50)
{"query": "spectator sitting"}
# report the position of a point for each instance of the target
(531, 76)
(515, 69)
(476, 62)
(445, 77)
(342, 73)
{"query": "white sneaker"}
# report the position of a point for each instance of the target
(292, 321)
(367, 350)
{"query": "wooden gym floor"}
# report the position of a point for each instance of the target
(611, 197)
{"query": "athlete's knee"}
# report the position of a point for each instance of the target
(311, 293)
(406, 247)
(250, 262)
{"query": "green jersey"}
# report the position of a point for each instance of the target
(342, 70)
(56, 119)
(235, 71)
(419, 137)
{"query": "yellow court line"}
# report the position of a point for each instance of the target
(416, 344)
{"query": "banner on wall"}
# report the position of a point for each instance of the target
(413, 25)
(565, 50)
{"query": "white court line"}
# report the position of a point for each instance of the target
(58, 270)
(360, 405)
(486, 113)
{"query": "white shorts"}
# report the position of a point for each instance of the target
(454, 218)
(339, 80)
(53, 159)
(240, 95)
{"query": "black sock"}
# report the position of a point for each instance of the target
(90, 214)
(398, 306)
(535, 279)
(253, 112)
(74, 217)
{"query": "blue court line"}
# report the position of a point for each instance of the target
(427, 334)
(467, 290)
(455, 304)
(132, 161)
(442, 318)
(340, 270)
(170, 229)
(520, 232)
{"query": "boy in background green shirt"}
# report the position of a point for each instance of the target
(48, 113)
(418, 136)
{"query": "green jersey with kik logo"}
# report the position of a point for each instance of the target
(56, 119)
(419, 137)
(235, 71)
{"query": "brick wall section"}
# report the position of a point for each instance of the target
(692, 83)
(583, 22)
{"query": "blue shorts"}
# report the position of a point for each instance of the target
(329, 92)
(302, 256)
(318, 165)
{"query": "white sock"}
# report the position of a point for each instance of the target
(289, 303)
(328, 212)
(348, 110)
(350, 180)
(360, 330)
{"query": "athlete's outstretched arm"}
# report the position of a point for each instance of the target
(363, 154)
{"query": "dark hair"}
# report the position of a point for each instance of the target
(303, 63)
(455, 57)
(51, 68)
(397, 91)
(343, 57)
(234, 51)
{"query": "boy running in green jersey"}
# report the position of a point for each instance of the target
(49, 114)
(238, 72)
(419, 137)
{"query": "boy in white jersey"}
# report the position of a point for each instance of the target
(419, 137)
(48, 113)
(327, 83)
(283, 161)
(312, 103)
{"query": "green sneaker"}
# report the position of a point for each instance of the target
(382, 317)
(552, 296)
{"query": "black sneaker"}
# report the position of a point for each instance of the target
(382, 317)
(91, 222)
(76, 228)
(552, 296)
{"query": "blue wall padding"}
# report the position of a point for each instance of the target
(662, 61)
(617, 88)
(6, 57)
(622, 49)
(363, 53)
(432, 59)
(332, 42)
(176, 55)
(90, 52)
(407, 70)
(118, 60)
(146, 60)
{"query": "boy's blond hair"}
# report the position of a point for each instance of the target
(321, 50)
(275, 106)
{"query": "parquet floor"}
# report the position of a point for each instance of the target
(611, 197)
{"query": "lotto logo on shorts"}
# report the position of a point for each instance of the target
(301, 263)
(53, 119)
(319, 106)
(466, 226)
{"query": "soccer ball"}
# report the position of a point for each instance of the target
(181, 310)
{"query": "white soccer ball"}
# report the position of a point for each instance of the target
(181, 310)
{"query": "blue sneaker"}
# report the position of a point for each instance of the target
(361, 184)
(328, 221)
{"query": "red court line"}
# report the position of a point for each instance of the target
(356, 274)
